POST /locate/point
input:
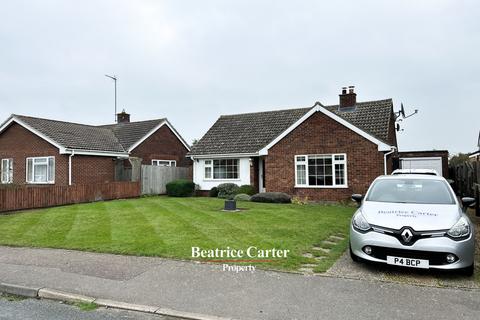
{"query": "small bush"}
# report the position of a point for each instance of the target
(271, 197)
(300, 200)
(242, 197)
(180, 188)
(213, 192)
(246, 188)
(227, 190)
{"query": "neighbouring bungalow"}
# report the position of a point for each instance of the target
(37, 151)
(321, 152)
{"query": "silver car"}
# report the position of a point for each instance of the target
(413, 221)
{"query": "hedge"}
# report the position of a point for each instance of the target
(271, 197)
(180, 188)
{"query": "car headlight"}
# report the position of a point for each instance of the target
(359, 222)
(460, 230)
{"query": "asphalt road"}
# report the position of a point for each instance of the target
(32, 309)
(207, 289)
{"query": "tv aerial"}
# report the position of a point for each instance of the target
(400, 116)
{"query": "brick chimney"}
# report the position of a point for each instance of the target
(123, 117)
(348, 98)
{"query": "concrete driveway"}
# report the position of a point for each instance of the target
(346, 268)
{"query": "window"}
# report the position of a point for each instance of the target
(7, 170)
(41, 170)
(222, 169)
(208, 169)
(324, 170)
(164, 163)
(411, 190)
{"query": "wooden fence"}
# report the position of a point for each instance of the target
(155, 178)
(29, 197)
(467, 181)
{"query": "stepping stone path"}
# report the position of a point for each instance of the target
(321, 249)
(328, 242)
(332, 240)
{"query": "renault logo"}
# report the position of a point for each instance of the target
(407, 235)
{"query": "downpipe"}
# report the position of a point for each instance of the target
(393, 149)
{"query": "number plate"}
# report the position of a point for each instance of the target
(408, 262)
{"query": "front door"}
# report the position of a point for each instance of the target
(261, 175)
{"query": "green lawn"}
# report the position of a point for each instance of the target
(169, 227)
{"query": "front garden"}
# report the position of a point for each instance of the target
(169, 227)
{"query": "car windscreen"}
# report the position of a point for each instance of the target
(426, 191)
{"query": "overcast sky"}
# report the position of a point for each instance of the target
(192, 61)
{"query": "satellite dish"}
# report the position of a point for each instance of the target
(402, 110)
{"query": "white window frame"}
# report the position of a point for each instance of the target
(50, 180)
(210, 165)
(171, 163)
(334, 162)
(9, 165)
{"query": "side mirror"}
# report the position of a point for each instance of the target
(357, 198)
(467, 202)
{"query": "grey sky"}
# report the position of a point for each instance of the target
(192, 61)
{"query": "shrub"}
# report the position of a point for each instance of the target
(271, 197)
(246, 188)
(180, 188)
(299, 200)
(242, 197)
(227, 190)
(213, 192)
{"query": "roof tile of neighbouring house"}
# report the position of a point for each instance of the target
(110, 138)
(250, 132)
(128, 133)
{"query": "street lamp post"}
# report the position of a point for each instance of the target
(114, 78)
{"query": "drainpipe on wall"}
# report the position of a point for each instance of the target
(385, 158)
(70, 168)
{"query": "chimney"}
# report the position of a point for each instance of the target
(123, 117)
(348, 99)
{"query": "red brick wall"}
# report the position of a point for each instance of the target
(88, 169)
(162, 145)
(18, 143)
(322, 135)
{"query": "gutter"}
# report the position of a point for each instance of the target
(392, 150)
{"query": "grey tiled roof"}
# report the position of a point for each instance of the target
(250, 132)
(130, 132)
(111, 138)
(246, 133)
(372, 117)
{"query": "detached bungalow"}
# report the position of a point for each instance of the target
(43, 151)
(322, 152)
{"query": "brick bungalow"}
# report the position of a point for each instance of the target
(322, 152)
(42, 151)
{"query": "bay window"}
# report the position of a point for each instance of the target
(323, 170)
(41, 170)
(7, 170)
(222, 169)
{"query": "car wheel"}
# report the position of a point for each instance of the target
(468, 271)
(353, 256)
